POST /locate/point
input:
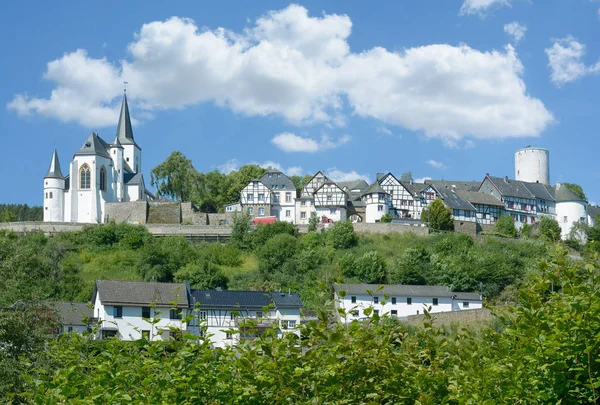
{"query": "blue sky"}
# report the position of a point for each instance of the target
(447, 89)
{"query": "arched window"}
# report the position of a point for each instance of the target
(50, 194)
(46, 195)
(84, 177)
(103, 178)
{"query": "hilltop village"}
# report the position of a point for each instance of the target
(105, 182)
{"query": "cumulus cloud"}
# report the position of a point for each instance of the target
(234, 165)
(339, 175)
(481, 6)
(301, 68)
(436, 164)
(515, 30)
(565, 61)
(289, 142)
(422, 179)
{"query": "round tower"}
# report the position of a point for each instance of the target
(377, 202)
(54, 194)
(532, 165)
(116, 154)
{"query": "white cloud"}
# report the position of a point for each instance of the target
(300, 68)
(421, 179)
(515, 30)
(565, 61)
(234, 165)
(384, 131)
(289, 142)
(436, 164)
(339, 175)
(481, 6)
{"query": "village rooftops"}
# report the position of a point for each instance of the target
(140, 293)
(399, 290)
(244, 299)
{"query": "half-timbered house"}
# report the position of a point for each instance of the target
(330, 202)
(403, 199)
(256, 199)
(518, 201)
(283, 201)
(488, 208)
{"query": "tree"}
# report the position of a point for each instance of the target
(341, 235)
(313, 222)
(239, 230)
(202, 274)
(406, 176)
(237, 180)
(370, 268)
(550, 229)
(175, 178)
(438, 217)
(275, 253)
(299, 182)
(506, 226)
(386, 218)
(577, 189)
(412, 267)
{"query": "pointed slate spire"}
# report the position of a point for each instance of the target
(124, 130)
(116, 143)
(54, 171)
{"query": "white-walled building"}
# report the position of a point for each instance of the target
(125, 308)
(283, 201)
(330, 202)
(256, 199)
(228, 317)
(377, 203)
(100, 172)
(401, 301)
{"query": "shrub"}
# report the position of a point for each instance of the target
(506, 226)
(341, 235)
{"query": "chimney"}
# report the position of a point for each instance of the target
(506, 179)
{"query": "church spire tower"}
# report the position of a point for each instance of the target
(132, 153)
(54, 188)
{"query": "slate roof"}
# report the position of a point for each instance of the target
(562, 193)
(94, 145)
(54, 171)
(276, 180)
(593, 211)
(459, 185)
(354, 184)
(511, 188)
(540, 191)
(124, 129)
(71, 313)
(479, 198)
(140, 293)
(244, 299)
(437, 291)
(413, 188)
(132, 178)
(374, 188)
(453, 200)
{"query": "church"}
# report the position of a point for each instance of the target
(100, 172)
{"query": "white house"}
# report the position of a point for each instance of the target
(74, 317)
(233, 207)
(100, 172)
(125, 309)
(377, 202)
(305, 203)
(283, 201)
(330, 202)
(400, 301)
(228, 317)
(405, 200)
(256, 199)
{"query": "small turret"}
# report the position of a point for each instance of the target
(377, 202)
(116, 154)
(54, 186)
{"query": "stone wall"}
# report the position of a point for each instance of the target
(164, 212)
(132, 212)
(222, 219)
(191, 216)
(486, 228)
(465, 227)
(389, 228)
(476, 317)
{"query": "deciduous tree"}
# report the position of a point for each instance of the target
(438, 217)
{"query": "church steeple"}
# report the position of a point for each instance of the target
(54, 171)
(124, 130)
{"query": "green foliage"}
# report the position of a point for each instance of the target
(438, 217)
(370, 268)
(386, 218)
(576, 189)
(542, 350)
(239, 230)
(549, 230)
(313, 222)
(406, 176)
(413, 267)
(175, 178)
(160, 259)
(202, 274)
(341, 235)
(267, 231)
(300, 182)
(275, 253)
(526, 231)
(506, 226)
(20, 212)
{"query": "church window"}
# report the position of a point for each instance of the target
(46, 196)
(50, 195)
(84, 177)
(103, 178)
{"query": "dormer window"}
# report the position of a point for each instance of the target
(84, 177)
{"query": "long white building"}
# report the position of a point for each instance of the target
(400, 301)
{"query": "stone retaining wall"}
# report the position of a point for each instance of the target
(132, 212)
